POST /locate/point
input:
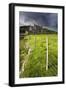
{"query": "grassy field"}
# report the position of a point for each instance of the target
(33, 55)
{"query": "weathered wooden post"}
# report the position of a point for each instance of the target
(46, 53)
(46, 50)
(35, 34)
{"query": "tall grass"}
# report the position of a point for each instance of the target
(35, 62)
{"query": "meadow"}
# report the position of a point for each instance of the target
(33, 55)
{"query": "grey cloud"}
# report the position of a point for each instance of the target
(43, 19)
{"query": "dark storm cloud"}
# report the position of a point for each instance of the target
(43, 19)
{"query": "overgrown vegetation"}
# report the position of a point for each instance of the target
(33, 55)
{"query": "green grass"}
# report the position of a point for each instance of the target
(35, 62)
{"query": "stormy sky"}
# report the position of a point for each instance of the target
(42, 19)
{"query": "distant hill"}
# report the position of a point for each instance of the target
(36, 29)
